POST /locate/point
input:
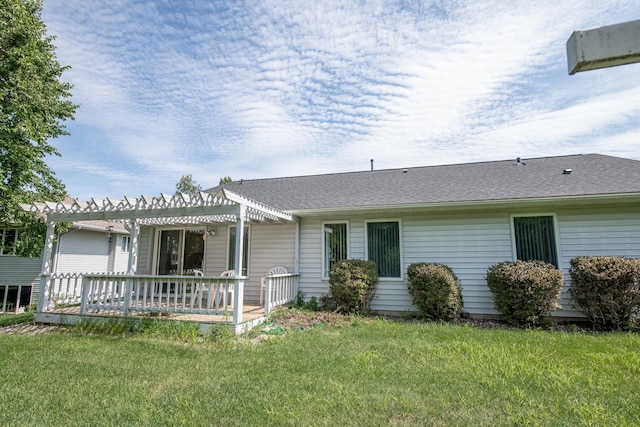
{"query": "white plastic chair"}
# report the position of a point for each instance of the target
(197, 286)
(226, 273)
(263, 281)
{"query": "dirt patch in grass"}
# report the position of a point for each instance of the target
(291, 318)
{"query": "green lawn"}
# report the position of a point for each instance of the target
(370, 373)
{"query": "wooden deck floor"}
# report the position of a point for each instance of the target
(250, 313)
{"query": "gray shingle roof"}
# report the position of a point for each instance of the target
(592, 174)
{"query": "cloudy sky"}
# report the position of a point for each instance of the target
(261, 89)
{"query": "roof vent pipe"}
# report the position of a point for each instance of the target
(371, 164)
(519, 162)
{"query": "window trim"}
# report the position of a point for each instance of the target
(324, 248)
(556, 234)
(400, 243)
(248, 257)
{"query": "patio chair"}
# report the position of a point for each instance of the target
(226, 273)
(197, 287)
(273, 271)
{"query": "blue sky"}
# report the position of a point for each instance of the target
(261, 89)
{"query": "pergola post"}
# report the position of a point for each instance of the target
(238, 292)
(133, 227)
(44, 296)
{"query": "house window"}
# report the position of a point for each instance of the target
(124, 244)
(535, 239)
(8, 241)
(231, 255)
(383, 247)
(335, 239)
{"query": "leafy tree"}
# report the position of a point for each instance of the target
(225, 180)
(187, 185)
(34, 104)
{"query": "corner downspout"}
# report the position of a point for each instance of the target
(296, 266)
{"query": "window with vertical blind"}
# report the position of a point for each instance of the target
(231, 255)
(335, 240)
(383, 247)
(535, 238)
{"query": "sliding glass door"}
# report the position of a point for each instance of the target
(180, 252)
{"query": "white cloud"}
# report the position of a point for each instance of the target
(284, 88)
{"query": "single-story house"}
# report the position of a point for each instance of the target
(468, 216)
(96, 246)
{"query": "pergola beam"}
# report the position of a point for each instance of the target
(202, 211)
(179, 209)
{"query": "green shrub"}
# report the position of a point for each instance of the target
(299, 302)
(525, 291)
(435, 290)
(352, 285)
(606, 290)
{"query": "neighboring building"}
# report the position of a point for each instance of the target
(95, 246)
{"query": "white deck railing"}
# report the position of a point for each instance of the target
(158, 294)
(280, 289)
(66, 288)
(128, 294)
(11, 304)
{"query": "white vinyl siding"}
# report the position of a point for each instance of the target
(311, 282)
(83, 251)
(121, 261)
(595, 232)
(271, 245)
(145, 250)
(469, 244)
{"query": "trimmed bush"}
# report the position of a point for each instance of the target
(352, 285)
(525, 291)
(435, 290)
(606, 290)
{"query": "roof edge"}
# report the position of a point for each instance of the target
(472, 204)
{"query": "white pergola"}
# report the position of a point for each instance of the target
(180, 209)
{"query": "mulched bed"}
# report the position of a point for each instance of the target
(302, 319)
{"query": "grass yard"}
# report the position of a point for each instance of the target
(367, 373)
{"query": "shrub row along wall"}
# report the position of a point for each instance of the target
(605, 289)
